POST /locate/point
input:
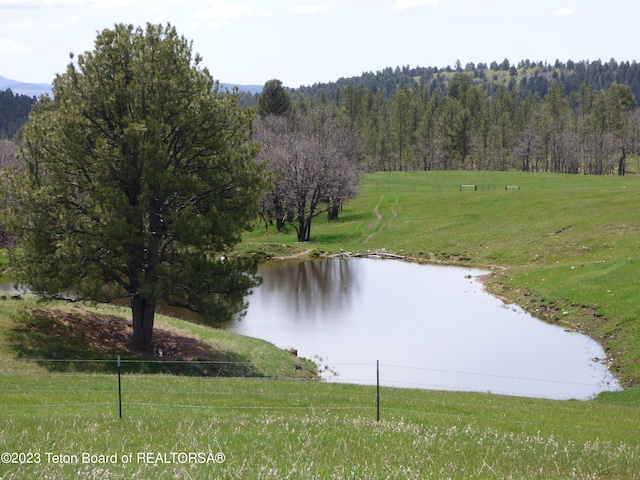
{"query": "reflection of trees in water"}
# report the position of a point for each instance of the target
(312, 286)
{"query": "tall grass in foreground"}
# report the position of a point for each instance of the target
(302, 430)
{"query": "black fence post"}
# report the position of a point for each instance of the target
(378, 390)
(119, 388)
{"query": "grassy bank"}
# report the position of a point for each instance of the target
(60, 337)
(565, 247)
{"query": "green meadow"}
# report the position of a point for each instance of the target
(564, 247)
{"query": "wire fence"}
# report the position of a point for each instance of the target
(125, 386)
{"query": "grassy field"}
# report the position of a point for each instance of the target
(304, 430)
(565, 247)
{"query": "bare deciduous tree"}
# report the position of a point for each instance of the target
(313, 157)
(7, 154)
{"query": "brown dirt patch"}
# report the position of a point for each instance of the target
(105, 334)
(84, 338)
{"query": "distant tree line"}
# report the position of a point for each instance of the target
(527, 77)
(14, 111)
(575, 117)
(589, 131)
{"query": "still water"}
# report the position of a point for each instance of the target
(429, 326)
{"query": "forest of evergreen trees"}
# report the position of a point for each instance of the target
(14, 111)
(573, 117)
(526, 77)
(588, 131)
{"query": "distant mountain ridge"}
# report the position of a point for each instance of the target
(22, 88)
(252, 89)
(37, 89)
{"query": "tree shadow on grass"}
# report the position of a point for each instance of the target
(79, 341)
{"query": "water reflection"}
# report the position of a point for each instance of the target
(8, 287)
(314, 290)
(430, 327)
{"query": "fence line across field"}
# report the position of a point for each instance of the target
(121, 362)
(125, 389)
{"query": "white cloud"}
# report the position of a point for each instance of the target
(220, 11)
(158, 4)
(561, 12)
(311, 9)
(101, 4)
(39, 24)
(113, 4)
(15, 4)
(11, 47)
(406, 4)
(22, 4)
(22, 25)
(42, 4)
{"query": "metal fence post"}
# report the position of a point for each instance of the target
(378, 390)
(119, 388)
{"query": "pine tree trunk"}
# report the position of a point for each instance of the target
(143, 314)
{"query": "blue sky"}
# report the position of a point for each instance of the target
(301, 42)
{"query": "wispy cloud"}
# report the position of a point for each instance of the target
(23, 25)
(10, 47)
(29, 4)
(563, 12)
(406, 4)
(35, 23)
(311, 9)
(220, 11)
(158, 4)
(43, 4)
(113, 4)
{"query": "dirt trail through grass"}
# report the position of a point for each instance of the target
(376, 210)
(379, 216)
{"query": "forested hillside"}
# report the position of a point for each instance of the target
(573, 117)
(589, 131)
(526, 77)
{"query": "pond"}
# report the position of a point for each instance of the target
(429, 326)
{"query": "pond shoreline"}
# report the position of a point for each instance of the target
(319, 308)
(573, 318)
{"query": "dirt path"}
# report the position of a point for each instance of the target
(303, 253)
(376, 208)
(379, 217)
